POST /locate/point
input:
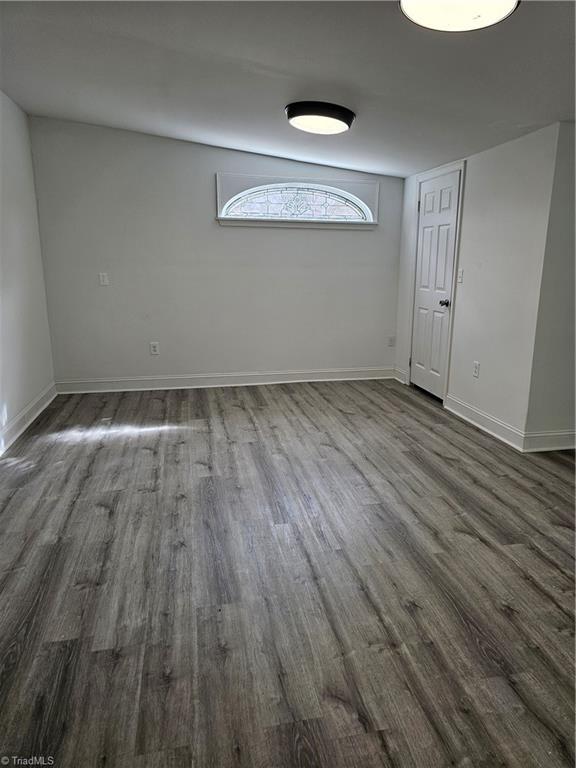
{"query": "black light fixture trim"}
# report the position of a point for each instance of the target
(322, 108)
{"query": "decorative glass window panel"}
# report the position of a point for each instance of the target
(297, 201)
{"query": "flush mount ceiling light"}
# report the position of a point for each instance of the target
(319, 117)
(457, 15)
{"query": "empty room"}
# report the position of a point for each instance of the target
(287, 384)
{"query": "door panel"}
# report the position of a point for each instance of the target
(443, 257)
(427, 237)
(445, 198)
(436, 343)
(434, 270)
(420, 346)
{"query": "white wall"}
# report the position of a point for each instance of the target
(26, 378)
(218, 299)
(551, 403)
(505, 236)
(406, 276)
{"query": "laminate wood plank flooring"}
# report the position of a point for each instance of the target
(326, 575)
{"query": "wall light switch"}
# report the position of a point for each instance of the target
(476, 369)
(103, 278)
(154, 347)
(460, 276)
(391, 341)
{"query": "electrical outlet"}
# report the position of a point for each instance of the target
(476, 369)
(154, 347)
(103, 278)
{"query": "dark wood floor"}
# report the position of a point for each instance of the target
(333, 575)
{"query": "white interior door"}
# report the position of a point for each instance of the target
(433, 291)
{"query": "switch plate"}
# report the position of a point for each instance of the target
(391, 341)
(460, 276)
(103, 278)
(154, 347)
(476, 369)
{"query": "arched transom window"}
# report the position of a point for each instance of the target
(297, 201)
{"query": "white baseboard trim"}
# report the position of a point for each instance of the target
(495, 427)
(526, 442)
(12, 430)
(401, 375)
(195, 380)
(561, 440)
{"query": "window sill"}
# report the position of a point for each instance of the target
(231, 221)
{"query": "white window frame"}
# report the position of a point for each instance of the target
(361, 193)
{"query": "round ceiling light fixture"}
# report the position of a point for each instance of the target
(319, 117)
(457, 15)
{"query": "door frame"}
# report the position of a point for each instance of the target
(459, 165)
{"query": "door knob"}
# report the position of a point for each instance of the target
(444, 302)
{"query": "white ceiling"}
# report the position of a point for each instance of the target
(221, 73)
